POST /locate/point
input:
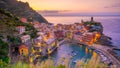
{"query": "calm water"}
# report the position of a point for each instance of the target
(77, 52)
(118, 52)
(111, 25)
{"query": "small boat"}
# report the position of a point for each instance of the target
(74, 54)
(75, 61)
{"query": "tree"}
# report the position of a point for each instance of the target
(4, 50)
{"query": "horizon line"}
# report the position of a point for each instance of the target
(82, 15)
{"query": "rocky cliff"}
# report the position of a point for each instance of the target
(21, 9)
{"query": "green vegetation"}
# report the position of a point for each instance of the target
(4, 50)
(3, 64)
(15, 40)
(20, 65)
(93, 63)
(9, 34)
(94, 26)
(9, 20)
(9, 23)
(49, 63)
(31, 30)
(91, 23)
(24, 9)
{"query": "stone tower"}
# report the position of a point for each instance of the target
(92, 19)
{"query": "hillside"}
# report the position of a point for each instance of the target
(9, 22)
(21, 9)
(9, 34)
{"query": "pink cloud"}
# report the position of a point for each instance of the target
(117, 5)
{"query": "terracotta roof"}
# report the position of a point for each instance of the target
(20, 26)
(23, 46)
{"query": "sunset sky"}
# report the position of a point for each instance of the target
(68, 6)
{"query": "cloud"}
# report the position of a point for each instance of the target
(49, 11)
(116, 5)
(52, 11)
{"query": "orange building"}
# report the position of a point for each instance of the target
(23, 49)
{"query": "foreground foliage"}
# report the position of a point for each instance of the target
(4, 49)
(93, 63)
(3, 64)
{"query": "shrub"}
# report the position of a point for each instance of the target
(3, 64)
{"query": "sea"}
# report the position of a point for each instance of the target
(111, 24)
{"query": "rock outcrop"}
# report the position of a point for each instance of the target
(21, 9)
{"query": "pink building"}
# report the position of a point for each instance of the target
(25, 38)
(21, 29)
(36, 24)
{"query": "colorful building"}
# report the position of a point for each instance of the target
(20, 29)
(25, 38)
(90, 37)
(69, 34)
(51, 43)
(23, 49)
(58, 34)
(36, 24)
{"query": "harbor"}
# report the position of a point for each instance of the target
(52, 37)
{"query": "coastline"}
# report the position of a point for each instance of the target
(105, 40)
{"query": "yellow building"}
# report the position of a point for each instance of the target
(69, 34)
(23, 49)
(45, 38)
